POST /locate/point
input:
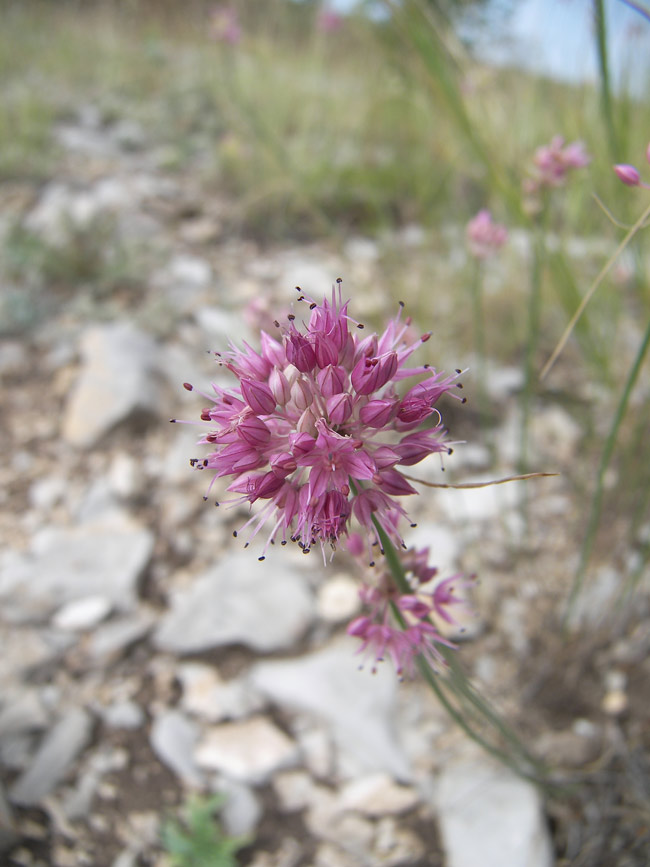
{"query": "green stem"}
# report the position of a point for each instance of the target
(605, 84)
(532, 339)
(478, 318)
(472, 706)
(597, 501)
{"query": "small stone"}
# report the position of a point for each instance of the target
(125, 476)
(109, 641)
(377, 795)
(98, 559)
(295, 790)
(248, 751)
(119, 382)
(241, 811)
(357, 706)
(266, 606)
(207, 696)
(123, 715)
(615, 702)
(51, 763)
(173, 739)
(338, 599)
(82, 613)
(25, 713)
(488, 817)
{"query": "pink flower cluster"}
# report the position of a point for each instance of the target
(555, 160)
(315, 429)
(484, 236)
(630, 175)
(552, 163)
(401, 625)
(224, 25)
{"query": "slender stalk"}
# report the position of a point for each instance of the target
(608, 450)
(468, 709)
(532, 334)
(478, 322)
(600, 32)
(640, 224)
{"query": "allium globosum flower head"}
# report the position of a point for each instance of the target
(317, 428)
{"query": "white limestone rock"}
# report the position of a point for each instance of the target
(489, 817)
(266, 606)
(357, 706)
(249, 751)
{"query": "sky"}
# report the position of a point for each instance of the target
(555, 37)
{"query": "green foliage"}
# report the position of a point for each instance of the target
(198, 840)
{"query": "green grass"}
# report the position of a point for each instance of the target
(198, 840)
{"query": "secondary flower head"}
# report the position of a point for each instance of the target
(403, 626)
(315, 427)
(484, 236)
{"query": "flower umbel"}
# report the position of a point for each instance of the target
(403, 626)
(484, 236)
(315, 427)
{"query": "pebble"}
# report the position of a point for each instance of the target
(118, 382)
(82, 613)
(65, 565)
(249, 751)
(207, 696)
(123, 715)
(377, 795)
(265, 606)
(488, 817)
(173, 739)
(358, 706)
(52, 762)
(338, 599)
(241, 811)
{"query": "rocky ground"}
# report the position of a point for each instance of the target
(147, 655)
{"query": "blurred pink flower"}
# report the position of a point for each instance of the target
(329, 21)
(630, 175)
(554, 161)
(224, 25)
(484, 236)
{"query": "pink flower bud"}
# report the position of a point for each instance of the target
(301, 444)
(377, 413)
(283, 464)
(272, 350)
(253, 431)
(302, 394)
(279, 386)
(628, 174)
(339, 408)
(370, 374)
(307, 422)
(326, 351)
(258, 396)
(331, 380)
(300, 353)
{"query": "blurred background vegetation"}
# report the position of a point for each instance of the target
(318, 126)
